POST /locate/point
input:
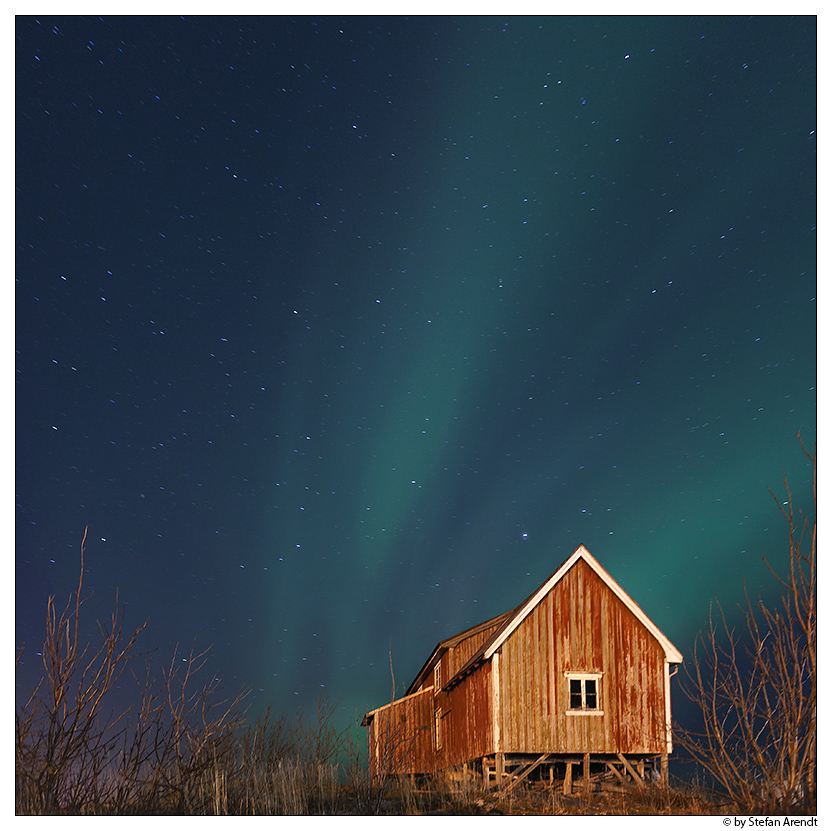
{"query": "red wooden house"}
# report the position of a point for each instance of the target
(577, 674)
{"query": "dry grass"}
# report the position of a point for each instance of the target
(279, 767)
(648, 801)
(436, 797)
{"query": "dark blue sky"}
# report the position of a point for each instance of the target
(341, 334)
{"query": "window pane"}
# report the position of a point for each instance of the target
(575, 702)
(591, 694)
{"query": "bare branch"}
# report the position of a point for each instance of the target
(756, 690)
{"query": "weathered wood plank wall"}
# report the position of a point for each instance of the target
(469, 731)
(400, 736)
(581, 626)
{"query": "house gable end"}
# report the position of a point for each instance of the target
(672, 654)
(580, 672)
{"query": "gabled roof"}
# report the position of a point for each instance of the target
(516, 617)
(509, 621)
(448, 643)
(672, 654)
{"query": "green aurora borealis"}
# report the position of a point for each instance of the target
(341, 334)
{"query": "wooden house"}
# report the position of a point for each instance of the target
(574, 679)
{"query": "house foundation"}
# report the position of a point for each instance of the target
(572, 773)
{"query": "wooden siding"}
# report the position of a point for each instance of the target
(465, 708)
(400, 736)
(468, 721)
(581, 626)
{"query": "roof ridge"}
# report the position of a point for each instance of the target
(514, 617)
(519, 613)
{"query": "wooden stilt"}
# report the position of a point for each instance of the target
(631, 770)
(518, 776)
(617, 772)
(665, 779)
(586, 774)
(567, 780)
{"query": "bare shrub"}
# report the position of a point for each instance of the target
(74, 755)
(64, 736)
(196, 734)
(756, 688)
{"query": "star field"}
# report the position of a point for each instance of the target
(341, 334)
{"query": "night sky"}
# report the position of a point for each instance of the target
(341, 334)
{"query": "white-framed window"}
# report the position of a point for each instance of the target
(583, 693)
(437, 677)
(437, 733)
